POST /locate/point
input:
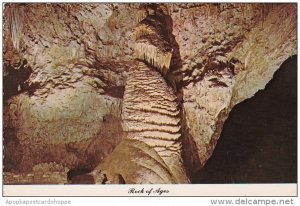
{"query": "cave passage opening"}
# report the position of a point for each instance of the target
(258, 143)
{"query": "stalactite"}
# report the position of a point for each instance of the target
(141, 14)
(143, 30)
(154, 55)
(15, 24)
(152, 43)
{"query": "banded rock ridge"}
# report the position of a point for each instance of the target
(66, 67)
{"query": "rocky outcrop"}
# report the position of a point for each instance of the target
(66, 65)
(71, 127)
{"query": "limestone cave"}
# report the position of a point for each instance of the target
(149, 93)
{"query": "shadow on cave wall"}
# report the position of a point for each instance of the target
(258, 143)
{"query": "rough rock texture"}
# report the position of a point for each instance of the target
(65, 69)
(51, 173)
(239, 49)
(72, 94)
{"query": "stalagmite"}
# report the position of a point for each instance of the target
(144, 118)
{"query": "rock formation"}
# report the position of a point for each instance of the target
(66, 67)
(150, 115)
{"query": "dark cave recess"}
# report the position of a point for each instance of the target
(258, 143)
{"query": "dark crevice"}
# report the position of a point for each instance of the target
(80, 176)
(115, 91)
(15, 82)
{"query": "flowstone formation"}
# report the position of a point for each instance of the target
(131, 93)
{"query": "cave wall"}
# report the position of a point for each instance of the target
(239, 49)
(63, 110)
